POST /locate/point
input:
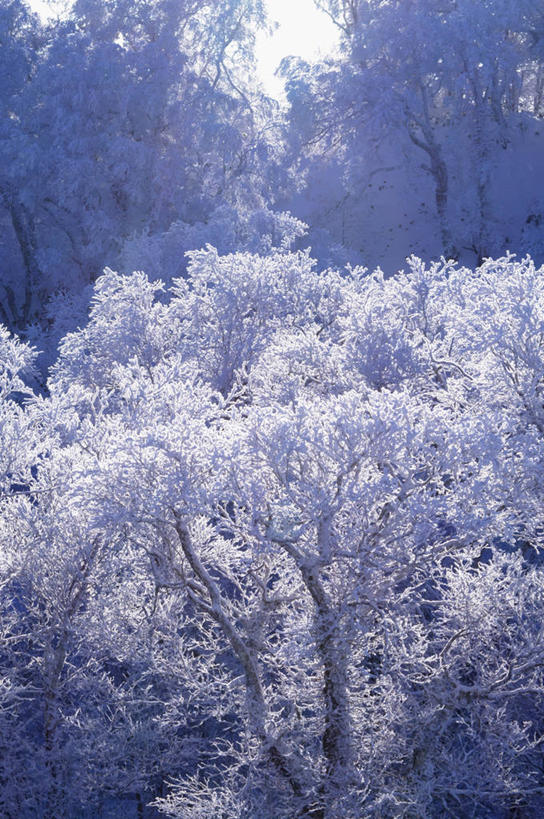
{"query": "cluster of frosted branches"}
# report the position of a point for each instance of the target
(270, 547)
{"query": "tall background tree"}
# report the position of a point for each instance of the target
(431, 112)
(122, 123)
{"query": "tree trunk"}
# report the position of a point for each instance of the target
(256, 706)
(439, 172)
(23, 228)
(336, 739)
(54, 662)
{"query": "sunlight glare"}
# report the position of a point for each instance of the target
(303, 31)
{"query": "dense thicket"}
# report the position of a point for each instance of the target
(270, 547)
(271, 529)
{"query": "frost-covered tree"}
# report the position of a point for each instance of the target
(127, 126)
(429, 109)
(278, 553)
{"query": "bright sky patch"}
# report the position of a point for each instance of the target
(303, 31)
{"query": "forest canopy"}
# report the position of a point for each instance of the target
(272, 414)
